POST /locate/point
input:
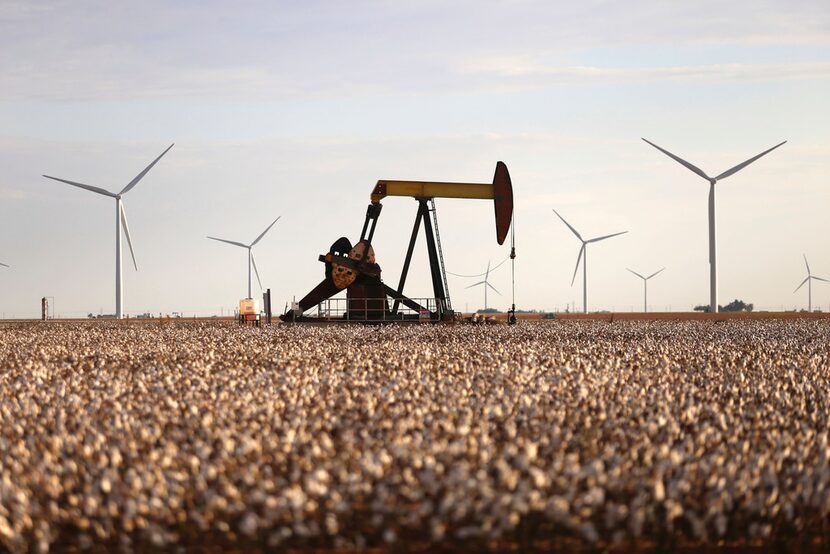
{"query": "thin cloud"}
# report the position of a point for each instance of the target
(66, 51)
(486, 75)
(520, 72)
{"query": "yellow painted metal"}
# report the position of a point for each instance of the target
(430, 189)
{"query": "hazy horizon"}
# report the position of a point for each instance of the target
(298, 109)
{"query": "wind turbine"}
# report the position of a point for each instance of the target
(251, 261)
(120, 221)
(713, 250)
(584, 252)
(485, 282)
(809, 281)
(645, 286)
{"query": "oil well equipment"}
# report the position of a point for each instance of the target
(354, 267)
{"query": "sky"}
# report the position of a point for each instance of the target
(297, 108)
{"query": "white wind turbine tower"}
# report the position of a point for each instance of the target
(120, 221)
(713, 250)
(583, 255)
(809, 280)
(645, 286)
(251, 261)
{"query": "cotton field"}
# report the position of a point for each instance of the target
(578, 434)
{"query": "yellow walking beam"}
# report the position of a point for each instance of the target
(500, 191)
(430, 189)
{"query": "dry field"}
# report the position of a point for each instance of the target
(681, 435)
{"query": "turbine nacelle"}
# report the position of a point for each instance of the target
(643, 277)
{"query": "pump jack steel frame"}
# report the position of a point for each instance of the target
(353, 268)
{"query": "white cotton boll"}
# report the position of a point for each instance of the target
(349, 436)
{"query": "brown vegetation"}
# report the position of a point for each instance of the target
(571, 433)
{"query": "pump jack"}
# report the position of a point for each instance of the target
(355, 269)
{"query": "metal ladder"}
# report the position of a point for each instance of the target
(440, 252)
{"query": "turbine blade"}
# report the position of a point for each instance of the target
(494, 288)
(99, 190)
(126, 228)
(265, 231)
(655, 273)
(256, 271)
(606, 237)
(230, 242)
(578, 258)
(475, 285)
(805, 263)
(501, 263)
(681, 161)
(812, 276)
(141, 175)
(492, 269)
(568, 224)
(740, 166)
(635, 273)
(4, 265)
(801, 285)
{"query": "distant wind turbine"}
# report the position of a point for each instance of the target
(809, 280)
(713, 249)
(120, 221)
(486, 281)
(645, 286)
(583, 255)
(249, 247)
